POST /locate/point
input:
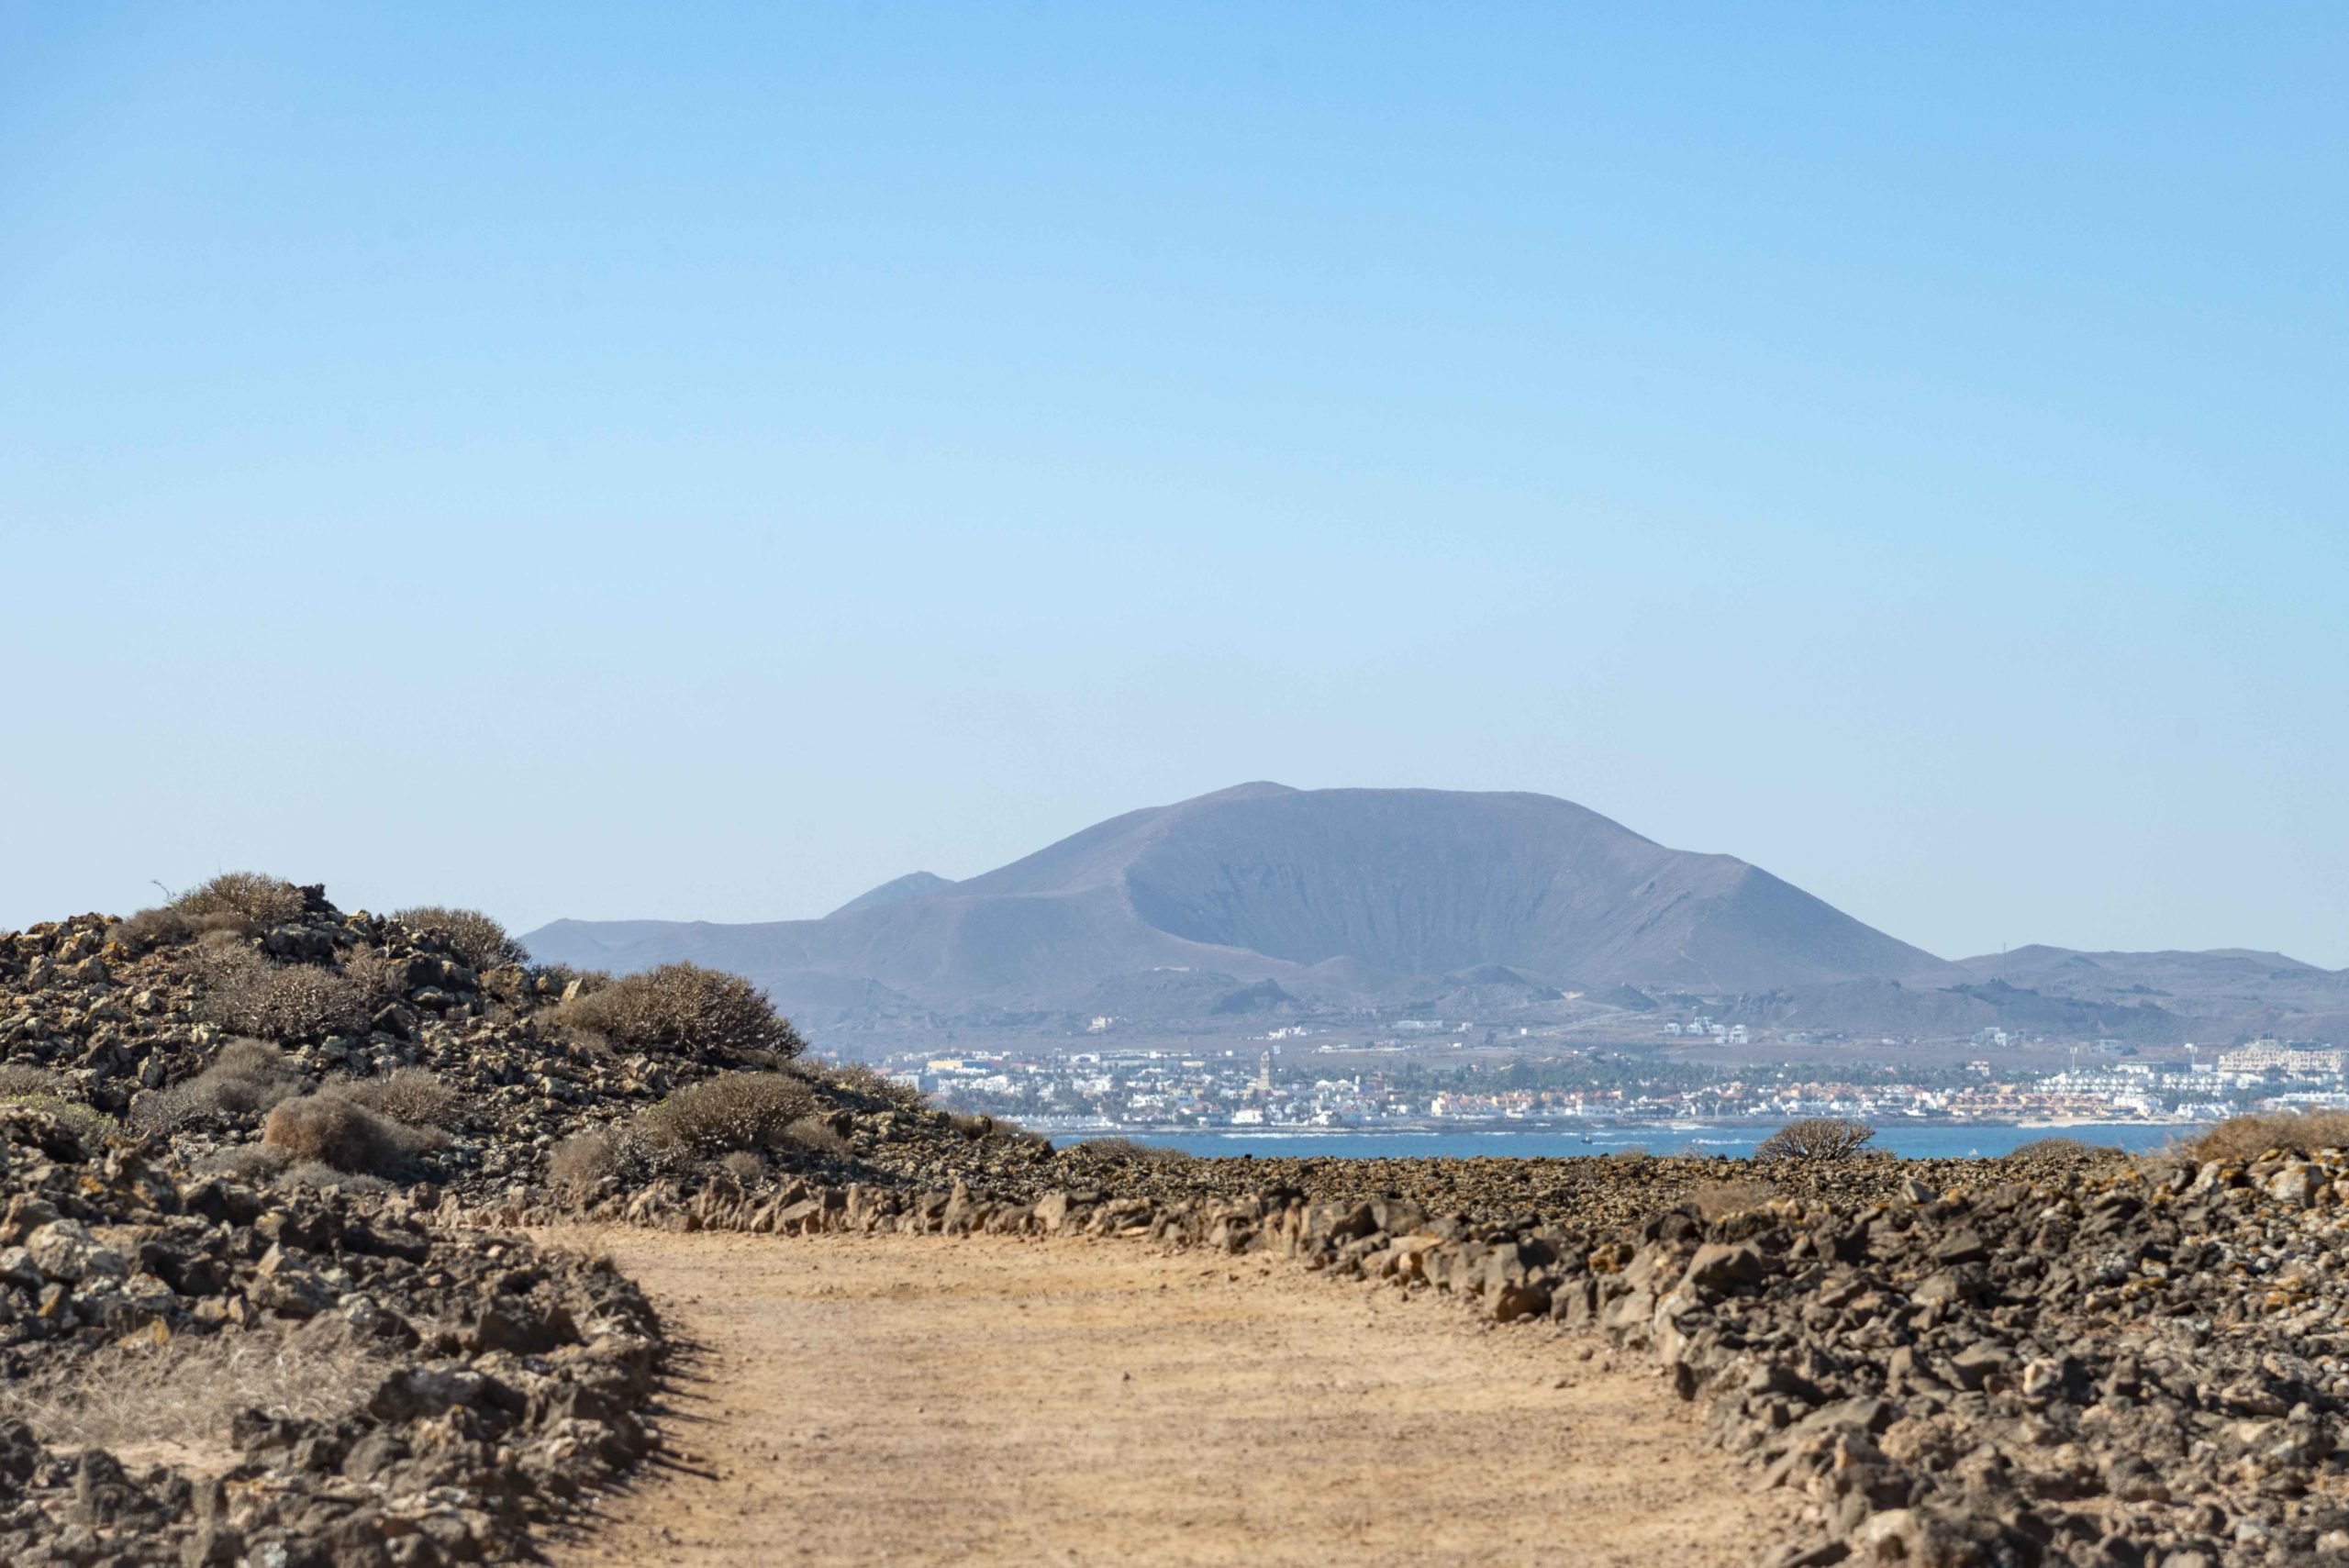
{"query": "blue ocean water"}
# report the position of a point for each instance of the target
(1914, 1141)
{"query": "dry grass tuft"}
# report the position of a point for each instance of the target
(408, 1095)
(247, 1078)
(478, 939)
(22, 1079)
(684, 1007)
(245, 896)
(1816, 1137)
(188, 1389)
(326, 1130)
(2240, 1140)
(744, 1167)
(584, 1158)
(817, 1136)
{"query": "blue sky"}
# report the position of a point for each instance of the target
(704, 461)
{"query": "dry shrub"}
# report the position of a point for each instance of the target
(1629, 1154)
(85, 1122)
(477, 938)
(717, 1116)
(744, 1167)
(379, 978)
(1719, 1200)
(1816, 1137)
(189, 1388)
(22, 1081)
(856, 1081)
(684, 1007)
(408, 1095)
(584, 1158)
(817, 1136)
(2240, 1140)
(164, 926)
(247, 1078)
(252, 1164)
(245, 896)
(257, 995)
(330, 1130)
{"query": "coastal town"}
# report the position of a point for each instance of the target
(1288, 1082)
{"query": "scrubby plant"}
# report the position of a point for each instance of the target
(1816, 1137)
(717, 1116)
(742, 1167)
(22, 1079)
(379, 978)
(815, 1135)
(245, 896)
(257, 996)
(684, 1007)
(159, 927)
(320, 1177)
(2240, 1140)
(329, 1131)
(854, 1080)
(478, 939)
(247, 1077)
(584, 1158)
(408, 1095)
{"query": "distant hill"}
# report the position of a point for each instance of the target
(1332, 894)
(2215, 995)
(913, 884)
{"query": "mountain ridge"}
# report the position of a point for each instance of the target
(1333, 894)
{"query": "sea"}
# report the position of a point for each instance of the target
(1914, 1141)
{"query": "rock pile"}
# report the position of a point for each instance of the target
(492, 1384)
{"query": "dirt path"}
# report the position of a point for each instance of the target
(917, 1400)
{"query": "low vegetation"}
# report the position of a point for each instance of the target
(684, 1007)
(254, 994)
(717, 1116)
(408, 1095)
(190, 1388)
(2240, 1140)
(248, 1077)
(327, 1129)
(241, 900)
(478, 939)
(1816, 1137)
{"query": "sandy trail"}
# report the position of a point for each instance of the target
(918, 1400)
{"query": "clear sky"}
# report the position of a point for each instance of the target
(704, 461)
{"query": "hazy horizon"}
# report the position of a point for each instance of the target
(705, 465)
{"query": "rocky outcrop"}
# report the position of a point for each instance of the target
(497, 1383)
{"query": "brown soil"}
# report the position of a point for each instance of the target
(916, 1400)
